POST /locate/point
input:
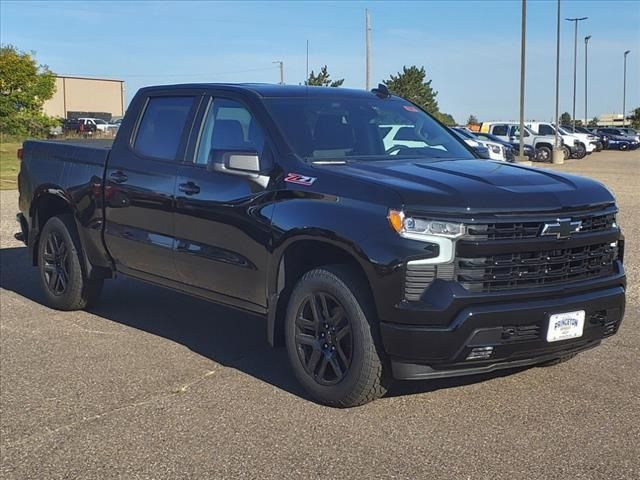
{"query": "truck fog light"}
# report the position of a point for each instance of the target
(480, 353)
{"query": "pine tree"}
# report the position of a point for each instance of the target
(323, 79)
(411, 84)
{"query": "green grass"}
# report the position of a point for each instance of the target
(9, 165)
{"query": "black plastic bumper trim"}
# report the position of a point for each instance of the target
(411, 371)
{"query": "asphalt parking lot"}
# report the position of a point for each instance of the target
(155, 384)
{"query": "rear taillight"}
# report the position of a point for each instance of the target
(20, 153)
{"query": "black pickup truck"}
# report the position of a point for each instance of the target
(370, 260)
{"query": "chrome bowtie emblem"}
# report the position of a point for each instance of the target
(562, 228)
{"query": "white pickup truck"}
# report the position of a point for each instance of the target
(579, 147)
(510, 132)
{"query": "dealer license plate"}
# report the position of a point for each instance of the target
(564, 326)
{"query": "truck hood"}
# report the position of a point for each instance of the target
(468, 186)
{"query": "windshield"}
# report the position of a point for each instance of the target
(343, 129)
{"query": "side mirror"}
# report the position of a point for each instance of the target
(242, 161)
(245, 163)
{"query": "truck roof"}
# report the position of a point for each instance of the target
(270, 90)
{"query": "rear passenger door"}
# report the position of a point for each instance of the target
(223, 219)
(140, 182)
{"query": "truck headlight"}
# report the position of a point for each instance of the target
(421, 229)
(494, 148)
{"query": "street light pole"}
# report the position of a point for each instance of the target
(556, 154)
(522, 62)
(575, 59)
(281, 64)
(586, 44)
(624, 90)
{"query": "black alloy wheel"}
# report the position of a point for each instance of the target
(62, 266)
(56, 263)
(323, 338)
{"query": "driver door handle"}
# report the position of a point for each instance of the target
(189, 188)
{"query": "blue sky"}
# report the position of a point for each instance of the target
(471, 49)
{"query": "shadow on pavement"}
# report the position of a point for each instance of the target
(229, 337)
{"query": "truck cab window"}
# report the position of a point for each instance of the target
(546, 130)
(161, 127)
(228, 126)
(500, 130)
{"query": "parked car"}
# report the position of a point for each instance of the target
(79, 126)
(577, 148)
(510, 132)
(483, 150)
(617, 140)
(630, 132)
(599, 142)
(101, 125)
(511, 149)
(368, 262)
(589, 140)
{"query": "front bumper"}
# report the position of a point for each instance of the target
(516, 331)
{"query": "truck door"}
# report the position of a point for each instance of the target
(140, 183)
(223, 219)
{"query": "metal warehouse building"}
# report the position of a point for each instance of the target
(78, 96)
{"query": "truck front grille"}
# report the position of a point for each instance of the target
(537, 268)
(526, 230)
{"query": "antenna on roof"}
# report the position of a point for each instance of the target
(381, 91)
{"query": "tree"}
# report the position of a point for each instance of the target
(472, 120)
(578, 123)
(24, 87)
(565, 118)
(323, 79)
(593, 122)
(635, 118)
(445, 118)
(411, 84)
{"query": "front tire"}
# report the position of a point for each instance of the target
(543, 154)
(63, 278)
(580, 152)
(566, 152)
(332, 340)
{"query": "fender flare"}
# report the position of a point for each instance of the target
(275, 270)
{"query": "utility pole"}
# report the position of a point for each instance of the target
(575, 59)
(522, 62)
(558, 155)
(624, 90)
(281, 63)
(586, 44)
(367, 26)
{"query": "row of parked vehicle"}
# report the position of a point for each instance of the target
(501, 140)
(85, 126)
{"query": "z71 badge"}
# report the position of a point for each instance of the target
(299, 179)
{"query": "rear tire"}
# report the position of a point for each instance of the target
(566, 153)
(60, 262)
(624, 147)
(332, 338)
